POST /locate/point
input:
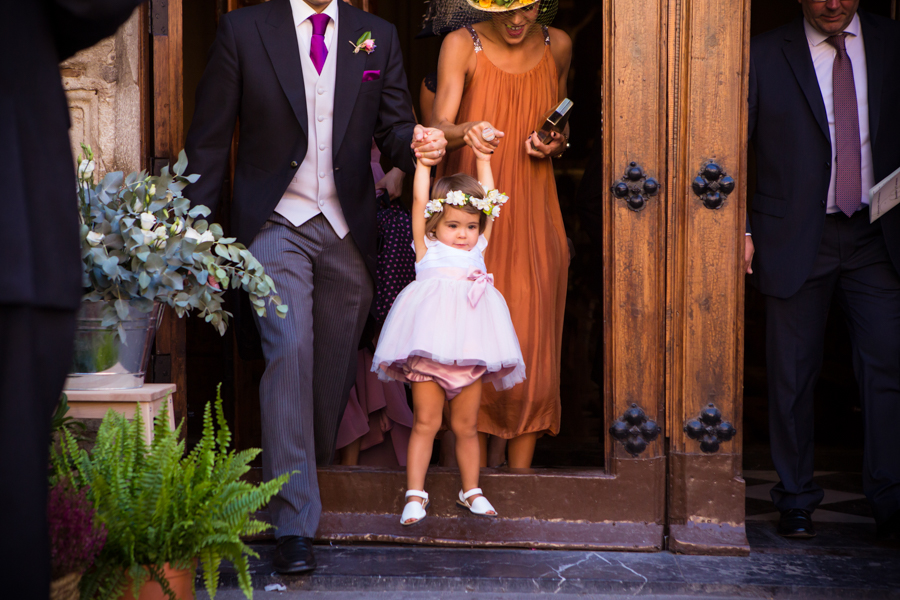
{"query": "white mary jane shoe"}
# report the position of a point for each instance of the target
(414, 510)
(479, 506)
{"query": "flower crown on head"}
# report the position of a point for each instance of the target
(489, 205)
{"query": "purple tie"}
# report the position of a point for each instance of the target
(317, 50)
(848, 179)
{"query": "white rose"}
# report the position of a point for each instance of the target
(456, 197)
(433, 207)
(192, 234)
(86, 168)
(161, 244)
(149, 237)
(148, 220)
(161, 232)
(495, 212)
(207, 237)
(94, 238)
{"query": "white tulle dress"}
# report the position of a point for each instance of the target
(450, 325)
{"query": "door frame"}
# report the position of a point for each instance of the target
(621, 507)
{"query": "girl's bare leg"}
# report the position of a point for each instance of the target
(463, 421)
(428, 403)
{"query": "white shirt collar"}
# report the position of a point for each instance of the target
(815, 37)
(302, 11)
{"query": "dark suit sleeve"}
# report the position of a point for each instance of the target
(79, 24)
(209, 140)
(395, 124)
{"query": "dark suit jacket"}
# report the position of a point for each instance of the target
(254, 75)
(789, 130)
(39, 239)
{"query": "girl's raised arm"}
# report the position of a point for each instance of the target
(486, 178)
(421, 197)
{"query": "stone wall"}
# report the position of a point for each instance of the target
(102, 86)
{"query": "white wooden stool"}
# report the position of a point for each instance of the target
(94, 404)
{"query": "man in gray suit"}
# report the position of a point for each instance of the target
(310, 100)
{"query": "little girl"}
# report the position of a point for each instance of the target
(450, 329)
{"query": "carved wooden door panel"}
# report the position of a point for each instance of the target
(705, 280)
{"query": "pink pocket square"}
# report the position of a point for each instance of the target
(371, 75)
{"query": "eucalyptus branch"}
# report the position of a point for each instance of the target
(142, 242)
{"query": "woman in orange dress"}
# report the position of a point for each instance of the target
(496, 79)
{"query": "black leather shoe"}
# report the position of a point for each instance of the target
(890, 529)
(294, 554)
(796, 523)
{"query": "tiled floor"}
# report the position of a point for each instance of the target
(844, 501)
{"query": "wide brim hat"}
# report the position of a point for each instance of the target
(444, 16)
(498, 6)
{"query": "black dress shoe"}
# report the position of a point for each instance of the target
(796, 523)
(890, 529)
(294, 554)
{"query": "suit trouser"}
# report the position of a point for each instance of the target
(35, 355)
(310, 357)
(852, 266)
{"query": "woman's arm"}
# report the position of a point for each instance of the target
(457, 60)
(426, 104)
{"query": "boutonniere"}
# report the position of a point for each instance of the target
(365, 42)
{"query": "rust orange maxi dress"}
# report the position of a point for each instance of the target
(528, 254)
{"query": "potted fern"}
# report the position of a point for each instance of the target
(164, 509)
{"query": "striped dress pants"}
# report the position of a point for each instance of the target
(310, 358)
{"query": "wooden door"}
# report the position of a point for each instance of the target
(621, 506)
(709, 47)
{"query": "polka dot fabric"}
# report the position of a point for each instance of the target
(396, 259)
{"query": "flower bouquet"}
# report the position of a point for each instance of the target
(143, 242)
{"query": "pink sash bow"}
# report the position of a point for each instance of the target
(481, 280)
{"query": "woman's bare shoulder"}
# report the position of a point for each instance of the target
(560, 41)
(457, 52)
(456, 40)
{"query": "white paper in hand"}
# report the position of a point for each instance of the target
(884, 196)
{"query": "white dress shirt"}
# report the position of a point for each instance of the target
(312, 190)
(823, 55)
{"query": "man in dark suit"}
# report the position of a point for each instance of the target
(309, 100)
(825, 124)
(41, 268)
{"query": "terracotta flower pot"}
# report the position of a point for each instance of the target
(180, 580)
(66, 587)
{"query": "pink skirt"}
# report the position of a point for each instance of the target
(377, 412)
